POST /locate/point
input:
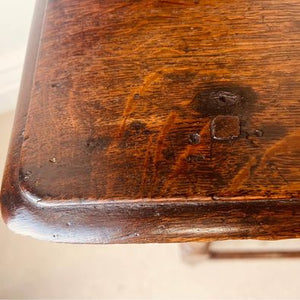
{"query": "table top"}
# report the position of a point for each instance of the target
(158, 121)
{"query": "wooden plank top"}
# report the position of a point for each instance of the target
(158, 121)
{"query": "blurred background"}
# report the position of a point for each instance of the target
(35, 269)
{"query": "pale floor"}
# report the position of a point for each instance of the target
(35, 269)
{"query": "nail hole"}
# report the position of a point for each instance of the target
(222, 99)
(194, 139)
(258, 132)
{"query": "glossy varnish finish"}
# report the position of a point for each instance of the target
(158, 121)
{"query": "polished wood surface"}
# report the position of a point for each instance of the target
(158, 121)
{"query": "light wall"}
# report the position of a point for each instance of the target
(15, 19)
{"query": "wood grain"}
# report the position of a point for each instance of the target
(158, 121)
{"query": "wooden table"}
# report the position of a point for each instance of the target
(157, 121)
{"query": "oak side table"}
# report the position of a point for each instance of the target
(157, 121)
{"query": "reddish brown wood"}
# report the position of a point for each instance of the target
(254, 254)
(196, 252)
(158, 121)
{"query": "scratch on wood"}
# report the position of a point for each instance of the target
(168, 50)
(149, 79)
(242, 175)
(162, 136)
(130, 99)
(145, 166)
(181, 160)
(113, 9)
(290, 141)
(274, 167)
(161, 141)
